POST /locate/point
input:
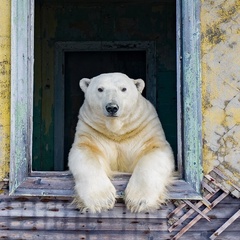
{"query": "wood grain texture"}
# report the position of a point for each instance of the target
(45, 217)
(21, 90)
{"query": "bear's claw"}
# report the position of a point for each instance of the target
(97, 205)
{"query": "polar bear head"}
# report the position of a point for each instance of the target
(112, 94)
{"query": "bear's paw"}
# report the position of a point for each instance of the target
(139, 200)
(96, 199)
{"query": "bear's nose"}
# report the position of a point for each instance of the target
(112, 108)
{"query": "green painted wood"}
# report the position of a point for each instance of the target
(21, 90)
(192, 138)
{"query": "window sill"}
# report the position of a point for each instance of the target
(63, 185)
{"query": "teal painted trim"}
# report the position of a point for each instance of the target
(191, 80)
(22, 18)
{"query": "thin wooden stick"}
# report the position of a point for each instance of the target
(225, 225)
(198, 217)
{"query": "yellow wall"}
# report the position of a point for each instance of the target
(220, 23)
(221, 85)
(5, 32)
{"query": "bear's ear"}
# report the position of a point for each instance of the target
(84, 83)
(139, 83)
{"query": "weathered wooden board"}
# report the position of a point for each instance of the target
(106, 235)
(63, 186)
(102, 224)
(52, 217)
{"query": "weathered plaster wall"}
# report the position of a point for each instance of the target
(5, 24)
(220, 22)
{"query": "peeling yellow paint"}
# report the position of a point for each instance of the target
(231, 173)
(220, 21)
(4, 87)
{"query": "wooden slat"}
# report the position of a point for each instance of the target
(102, 224)
(43, 218)
(54, 208)
(224, 179)
(208, 188)
(206, 203)
(106, 235)
(212, 180)
(198, 217)
(177, 210)
(75, 224)
(225, 225)
(188, 214)
(45, 206)
(196, 209)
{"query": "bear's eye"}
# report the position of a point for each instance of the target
(100, 89)
(124, 89)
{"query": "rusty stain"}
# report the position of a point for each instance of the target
(22, 199)
(214, 34)
(135, 222)
(53, 209)
(9, 208)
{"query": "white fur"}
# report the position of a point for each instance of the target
(132, 141)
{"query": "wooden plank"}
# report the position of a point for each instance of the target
(225, 225)
(229, 236)
(44, 206)
(102, 224)
(72, 235)
(48, 208)
(106, 235)
(64, 186)
(61, 206)
(85, 224)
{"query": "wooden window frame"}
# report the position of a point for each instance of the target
(24, 181)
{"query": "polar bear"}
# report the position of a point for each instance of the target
(119, 130)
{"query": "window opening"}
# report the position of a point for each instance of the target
(154, 21)
(24, 181)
